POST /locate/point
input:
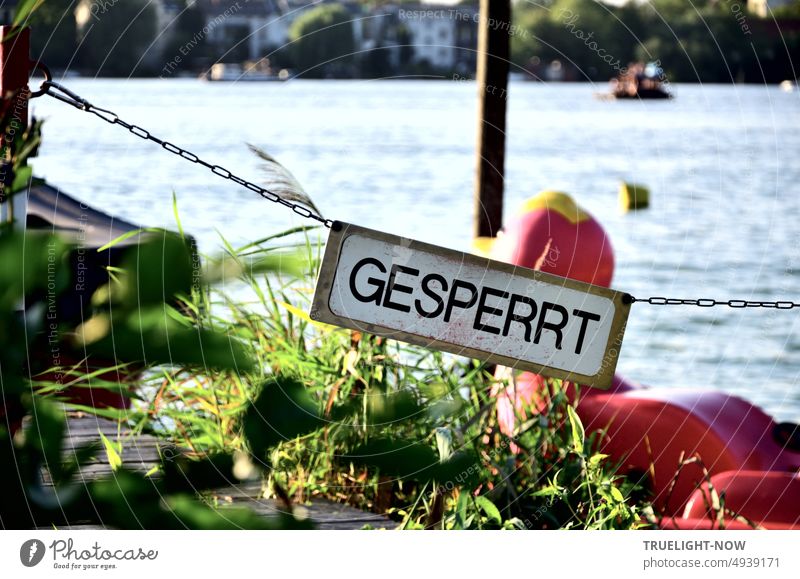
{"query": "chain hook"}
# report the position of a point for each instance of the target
(48, 79)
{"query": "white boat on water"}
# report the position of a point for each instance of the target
(236, 72)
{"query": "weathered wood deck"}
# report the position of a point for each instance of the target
(141, 452)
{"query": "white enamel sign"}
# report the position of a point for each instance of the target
(469, 305)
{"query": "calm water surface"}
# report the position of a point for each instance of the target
(721, 161)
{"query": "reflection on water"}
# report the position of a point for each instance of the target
(721, 162)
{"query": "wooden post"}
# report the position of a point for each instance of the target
(492, 80)
(15, 65)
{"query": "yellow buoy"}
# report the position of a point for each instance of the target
(483, 246)
(633, 196)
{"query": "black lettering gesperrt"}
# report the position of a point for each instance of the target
(429, 291)
(557, 327)
(393, 286)
(378, 284)
(454, 302)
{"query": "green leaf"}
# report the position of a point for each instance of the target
(596, 459)
(397, 457)
(259, 242)
(114, 459)
(307, 318)
(124, 237)
(177, 215)
(489, 508)
(578, 434)
(192, 475)
(24, 11)
(127, 500)
(31, 262)
(462, 507)
(392, 409)
(283, 411)
(290, 263)
(160, 268)
(461, 469)
(195, 515)
(22, 177)
(152, 336)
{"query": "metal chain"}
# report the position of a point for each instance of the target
(710, 303)
(65, 95)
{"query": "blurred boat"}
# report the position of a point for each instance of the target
(248, 72)
(639, 81)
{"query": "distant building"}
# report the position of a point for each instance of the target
(167, 12)
(246, 30)
(433, 37)
(442, 37)
(436, 37)
(762, 7)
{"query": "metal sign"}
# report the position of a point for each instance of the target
(468, 305)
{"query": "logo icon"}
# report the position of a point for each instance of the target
(32, 552)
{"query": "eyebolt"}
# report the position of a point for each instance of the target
(48, 77)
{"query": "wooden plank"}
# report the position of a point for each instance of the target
(141, 452)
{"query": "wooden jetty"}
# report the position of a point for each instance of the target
(141, 452)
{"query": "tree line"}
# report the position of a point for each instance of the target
(699, 41)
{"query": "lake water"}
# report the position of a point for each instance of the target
(722, 163)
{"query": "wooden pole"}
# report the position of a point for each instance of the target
(492, 79)
(15, 66)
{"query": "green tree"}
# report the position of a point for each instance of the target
(117, 41)
(53, 38)
(186, 42)
(791, 10)
(323, 42)
(582, 34)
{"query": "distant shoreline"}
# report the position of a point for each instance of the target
(419, 78)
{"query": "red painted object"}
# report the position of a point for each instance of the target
(647, 431)
(553, 234)
(771, 498)
(683, 524)
(528, 391)
(15, 67)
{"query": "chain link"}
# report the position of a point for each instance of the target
(65, 95)
(710, 303)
